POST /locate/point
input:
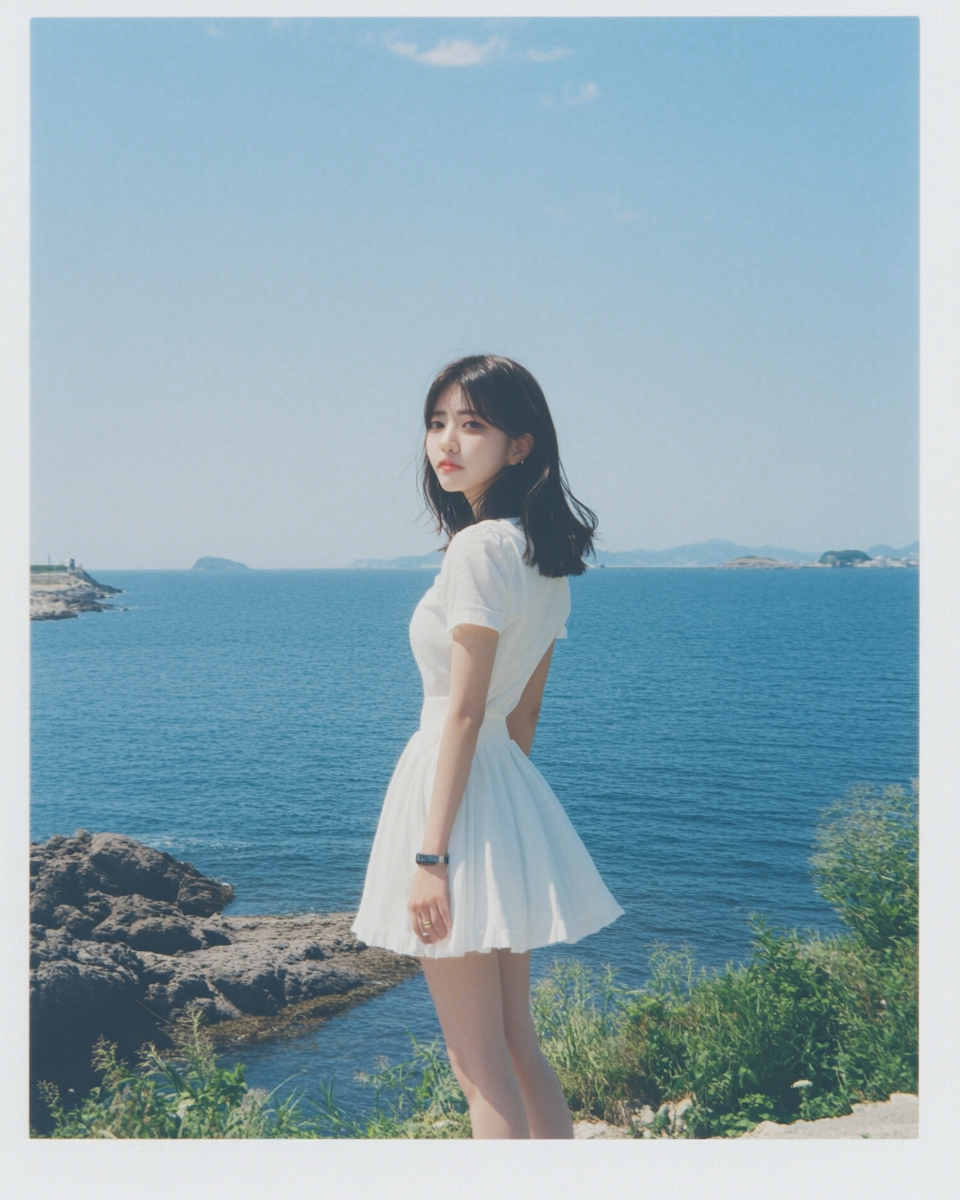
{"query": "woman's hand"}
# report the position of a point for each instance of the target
(429, 903)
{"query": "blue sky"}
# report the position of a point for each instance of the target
(256, 241)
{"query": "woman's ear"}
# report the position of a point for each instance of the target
(522, 446)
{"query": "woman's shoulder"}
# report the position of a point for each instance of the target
(489, 550)
(486, 537)
(493, 529)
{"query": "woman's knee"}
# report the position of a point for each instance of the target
(519, 1031)
(479, 1067)
(527, 1057)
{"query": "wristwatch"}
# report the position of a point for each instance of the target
(431, 860)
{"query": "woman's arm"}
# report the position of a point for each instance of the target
(471, 666)
(522, 722)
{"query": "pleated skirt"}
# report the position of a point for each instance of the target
(520, 877)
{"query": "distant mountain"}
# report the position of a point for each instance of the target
(882, 551)
(698, 554)
(218, 564)
(408, 561)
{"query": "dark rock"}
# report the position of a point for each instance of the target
(125, 939)
(56, 884)
(75, 922)
(98, 905)
(169, 996)
(214, 935)
(130, 867)
(147, 925)
(251, 982)
(307, 981)
(202, 897)
(80, 992)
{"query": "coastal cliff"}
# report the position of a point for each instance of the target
(57, 593)
(125, 939)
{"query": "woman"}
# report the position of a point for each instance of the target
(475, 862)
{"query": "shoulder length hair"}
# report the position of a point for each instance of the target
(559, 529)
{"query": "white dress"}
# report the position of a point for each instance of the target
(520, 876)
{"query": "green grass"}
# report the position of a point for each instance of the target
(805, 1027)
(187, 1095)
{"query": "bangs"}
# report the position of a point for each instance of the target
(471, 401)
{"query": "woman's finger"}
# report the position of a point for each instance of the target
(440, 926)
(423, 931)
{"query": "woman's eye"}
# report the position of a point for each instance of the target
(475, 424)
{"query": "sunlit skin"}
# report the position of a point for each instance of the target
(465, 451)
(482, 1000)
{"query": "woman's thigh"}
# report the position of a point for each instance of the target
(518, 1024)
(466, 993)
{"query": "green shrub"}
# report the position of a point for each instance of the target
(418, 1098)
(186, 1095)
(827, 1013)
(866, 863)
(579, 1018)
(808, 1025)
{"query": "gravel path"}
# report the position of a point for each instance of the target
(897, 1117)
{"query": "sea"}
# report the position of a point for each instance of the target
(696, 723)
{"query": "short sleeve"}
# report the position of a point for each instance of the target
(562, 633)
(474, 584)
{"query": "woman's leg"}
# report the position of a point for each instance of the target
(466, 992)
(546, 1105)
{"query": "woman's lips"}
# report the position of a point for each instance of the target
(447, 465)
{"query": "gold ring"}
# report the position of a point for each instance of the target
(427, 924)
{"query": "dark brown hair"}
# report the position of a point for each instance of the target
(558, 528)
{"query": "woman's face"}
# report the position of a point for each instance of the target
(466, 452)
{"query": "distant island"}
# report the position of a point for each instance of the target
(713, 553)
(908, 557)
(761, 561)
(218, 564)
(405, 563)
(844, 558)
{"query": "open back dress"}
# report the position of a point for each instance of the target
(520, 877)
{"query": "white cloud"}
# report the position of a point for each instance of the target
(589, 91)
(451, 52)
(571, 96)
(214, 31)
(545, 56)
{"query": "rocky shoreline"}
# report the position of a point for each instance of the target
(125, 939)
(56, 594)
